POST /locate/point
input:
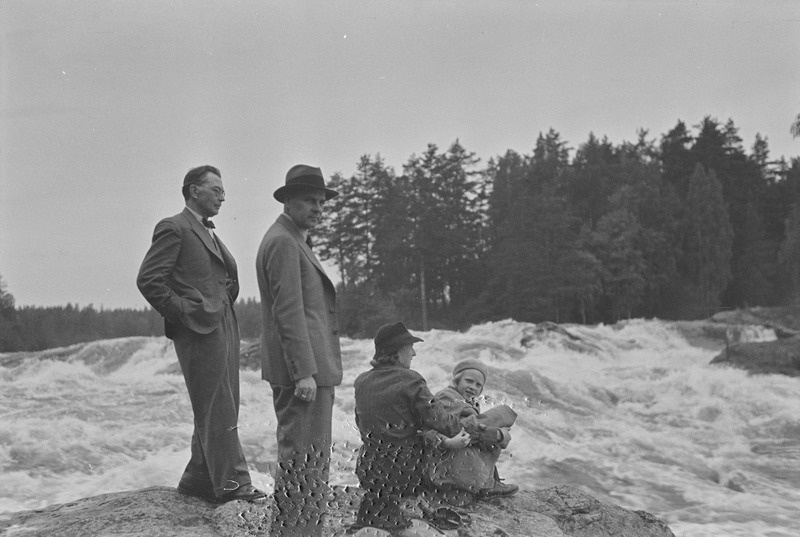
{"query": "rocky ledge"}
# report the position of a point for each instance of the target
(780, 356)
(160, 511)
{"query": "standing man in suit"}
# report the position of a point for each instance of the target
(190, 278)
(301, 355)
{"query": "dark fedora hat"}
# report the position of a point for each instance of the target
(302, 176)
(392, 337)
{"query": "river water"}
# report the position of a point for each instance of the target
(632, 413)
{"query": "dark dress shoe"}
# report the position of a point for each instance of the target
(247, 493)
(206, 494)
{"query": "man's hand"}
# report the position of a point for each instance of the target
(305, 389)
(461, 440)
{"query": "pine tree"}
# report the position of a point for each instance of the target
(448, 224)
(677, 162)
(394, 230)
(347, 236)
(589, 187)
(745, 184)
(505, 177)
(615, 244)
(536, 271)
(654, 205)
(708, 242)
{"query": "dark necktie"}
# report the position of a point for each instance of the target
(208, 223)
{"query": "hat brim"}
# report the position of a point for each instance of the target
(396, 344)
(280, 194)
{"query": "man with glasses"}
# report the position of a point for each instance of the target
(190, 278)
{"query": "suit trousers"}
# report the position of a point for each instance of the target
(304, 453)
(210, 365)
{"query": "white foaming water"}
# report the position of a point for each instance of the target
(632, 413)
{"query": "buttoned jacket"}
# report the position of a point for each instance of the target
(186, 277)
(300, 336)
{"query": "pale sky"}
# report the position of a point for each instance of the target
(104, 105)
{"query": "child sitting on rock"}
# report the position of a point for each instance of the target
(461, 475)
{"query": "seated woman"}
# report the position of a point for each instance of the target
(393, 404)
(470, 472)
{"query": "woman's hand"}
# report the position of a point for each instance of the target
(461, 440)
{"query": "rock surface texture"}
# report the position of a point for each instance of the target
(162, 512)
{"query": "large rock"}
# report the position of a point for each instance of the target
(785, 321)
(781, 356)
(768, 357)
(162, 512)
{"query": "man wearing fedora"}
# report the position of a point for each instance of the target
(190, 278)
(301, 354)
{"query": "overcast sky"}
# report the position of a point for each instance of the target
(104, 105)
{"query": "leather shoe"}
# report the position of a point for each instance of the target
(205, 494)
(246, 493)
(499, 490)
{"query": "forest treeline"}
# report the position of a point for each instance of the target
(676, 228)
(34, 328)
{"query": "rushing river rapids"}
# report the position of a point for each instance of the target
(631, 413)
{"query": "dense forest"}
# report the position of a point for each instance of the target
(676, 228)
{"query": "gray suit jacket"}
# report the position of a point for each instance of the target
(185, 278)
(300, 336)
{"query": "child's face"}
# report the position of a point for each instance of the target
(471, 384)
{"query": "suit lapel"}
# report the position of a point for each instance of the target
(227, 258)
(205, 236)
(292, 228)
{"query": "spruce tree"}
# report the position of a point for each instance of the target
(677, 162)
(708, 242)
(448, 224)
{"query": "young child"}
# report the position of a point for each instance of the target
(471, 471)
(393, 404)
